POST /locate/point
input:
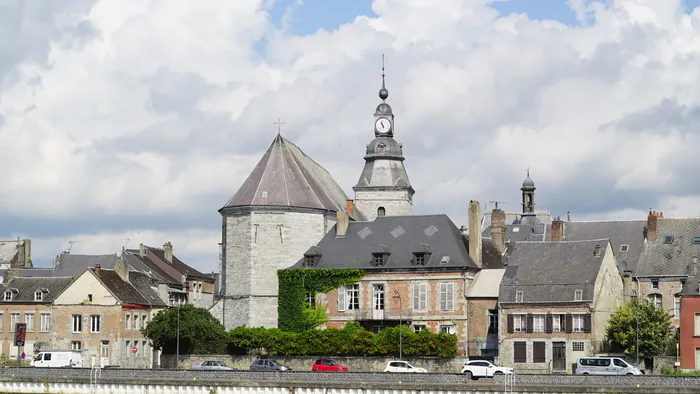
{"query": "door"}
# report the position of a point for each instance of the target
(378, 302)
(559, 356)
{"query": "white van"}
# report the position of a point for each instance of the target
(57, 359)
(605, 366)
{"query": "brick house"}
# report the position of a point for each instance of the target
(482, 314)
(689, 334)
(418, 269)
(28, 300)
(101, 314)
(555, 299)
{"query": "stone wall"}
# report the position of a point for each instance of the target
(394, 202)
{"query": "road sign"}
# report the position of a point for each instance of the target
(20, 333)
(133, 349)
(22, 356)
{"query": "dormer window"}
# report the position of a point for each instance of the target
(696, 240)
(596, 251)
(8, 295)
(309, 261)
(624, 248)
(421, 258)
(38, 295)
(312, 257)
(668, 239)
(379, 259)
(578, 295)
(518, 296)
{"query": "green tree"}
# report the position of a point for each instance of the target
(313, 317)
(200, 332)
(653, 323)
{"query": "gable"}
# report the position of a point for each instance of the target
(85, 284)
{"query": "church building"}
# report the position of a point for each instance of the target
(286, 205)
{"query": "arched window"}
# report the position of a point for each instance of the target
(381, 211)
(655, 299)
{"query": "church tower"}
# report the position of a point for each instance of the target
(384, 188)
(528, 190)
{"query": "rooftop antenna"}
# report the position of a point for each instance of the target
(71, 246)
(127, 239)
(495, 203)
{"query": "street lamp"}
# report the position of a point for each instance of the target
(177, 338)
(397, 295)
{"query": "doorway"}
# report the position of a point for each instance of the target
(378, 301)
(559, 356)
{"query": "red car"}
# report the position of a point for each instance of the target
(328, 366)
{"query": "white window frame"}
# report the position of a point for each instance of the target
(696, 325)
(538, 327)
(352, 298)
(519, 322)
(45, 322)
(95, 323)
(8, 295)
(655, 284)
(29, 321)
(578, 295)
(656, 299)
(38, 295)
(580, 344)
(136, 319)
(519, 296)
(14, 319)
(418, 327)
(420, 296)
(676, 307)
(448, 329)
(447, 296)
(77, 323)
(624, 248)
(577, 322)
(76, 345)
(557, 319)
(104, 349)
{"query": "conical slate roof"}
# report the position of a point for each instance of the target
(287, 177)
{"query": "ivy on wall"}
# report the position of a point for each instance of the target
(295, 284)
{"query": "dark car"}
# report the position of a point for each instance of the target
(328, 365)
(264, 364)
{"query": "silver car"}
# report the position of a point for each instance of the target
(212, 366)
(268, 365)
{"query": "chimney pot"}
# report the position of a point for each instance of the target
(341, 226)
(142, 250)
(168, 252)
(98, 269)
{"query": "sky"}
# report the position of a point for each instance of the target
(134, 121)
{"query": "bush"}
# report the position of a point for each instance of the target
(351, 340)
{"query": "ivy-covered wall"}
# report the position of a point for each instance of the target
(295, 284)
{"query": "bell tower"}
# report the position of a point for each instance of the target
(383, 188)
(528, 190)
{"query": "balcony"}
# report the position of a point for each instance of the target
(384, 314)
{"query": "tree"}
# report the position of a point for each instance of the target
(313, 317)
(200, 332)
(654, 328)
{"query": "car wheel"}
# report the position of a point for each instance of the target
(468, 374)
(497, 373)
(630, 374)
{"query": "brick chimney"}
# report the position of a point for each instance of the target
(652, 224)
(24, 251)
(168, 252)
(341, 227)
(98, 269)
(558, 227)
(498, 228)
(350, 207)
(475, 232)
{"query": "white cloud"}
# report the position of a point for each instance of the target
(153, 108)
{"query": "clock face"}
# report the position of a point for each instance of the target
(383, 125)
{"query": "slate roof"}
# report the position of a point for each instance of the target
(26, 272)
(287, 177)
(180, 266)
(123, 291)
(400, 236)
(26, 287)
(691, 287)
(143, 264)
(552, 271)
(519, 228)
(75, 264)
(384, 166)
(144, 285)
(670, 259)
(486, 283)
(620, 232)
(491, 257)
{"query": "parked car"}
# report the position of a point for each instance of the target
(328, 366)
(266, 364)
(57, 359)
(605, 366)
(483, 369)
(402, 366)
(212, 365)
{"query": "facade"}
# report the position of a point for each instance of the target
(16, 254)
(689, 333)
(28, 300)
(482, 314)
(418, 269)
(555, 300)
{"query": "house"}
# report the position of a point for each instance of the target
(670, 257)
(102, 312)
(16, 254)
(482, 314)
(555, 299)
(28, 300)
(418, 270)
(689, 322)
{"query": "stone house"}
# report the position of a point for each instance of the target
(28, 300)
(101, 313)
(418, 270)
(482, 314)
(555, 299)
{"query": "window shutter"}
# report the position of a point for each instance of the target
(519, 352)
(568, 325)
(450, 296)
(443, 296)
(416, 296)
(509, 320)
(424, 297)
(548, 325)
(538, 352)
(341, 299)
(529, 322)
(587, 322)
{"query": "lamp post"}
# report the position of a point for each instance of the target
(177, 339)
(397, 295)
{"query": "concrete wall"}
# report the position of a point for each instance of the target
(395, 202)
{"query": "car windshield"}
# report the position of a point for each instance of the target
(329, 362)
(38, 357)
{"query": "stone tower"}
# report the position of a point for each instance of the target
(384, 188)
(528, 190)
(286, 205)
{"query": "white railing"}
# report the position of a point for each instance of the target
(508, 382)
(95, 375)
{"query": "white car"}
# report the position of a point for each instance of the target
(402, 366)
(483, 369)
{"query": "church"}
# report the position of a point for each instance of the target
(287, 204)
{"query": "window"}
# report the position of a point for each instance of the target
(655, 285)
(14, 319)
(696, 240)
(577, 322)
(447, 296)
(448, 329)
(75, 345)
(655, 299)
(518, 296)
(38, 295)
(137, 322)
(519, 322)
(577, 346)
(95, 323)
(676, 307)
(144, 321)
(381, 211)
(493, 321)
(104, 349)
(419, 327)
(578, 295)
(128, 348)
(45, 323)
(696, 328)
(420, 296)
(538, 354)
(668, 239)
(2, 321)
(624, 248)
(127, 321)
(558, 322)
(538, 323)
(309, 261)
(77, 321)
(520, 352)
(349, 297)
(379, 259)
(8, 295)
(89, 297)
(29, 321)
(310, 300)
(420, 259)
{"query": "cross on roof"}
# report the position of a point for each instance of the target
(279, 124)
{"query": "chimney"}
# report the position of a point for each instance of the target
(24, 248)
(98, 269)
(498, 228)
(350, 207)
(168, 252)
(475, 232)
(142, 250)
(652, 224)
(57, 262)
(557, 230)
(341, 227)
(568, 216)
(122, 269)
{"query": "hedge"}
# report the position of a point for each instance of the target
(352, 340)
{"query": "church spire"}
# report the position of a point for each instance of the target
(383, 92)
(383, 116)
